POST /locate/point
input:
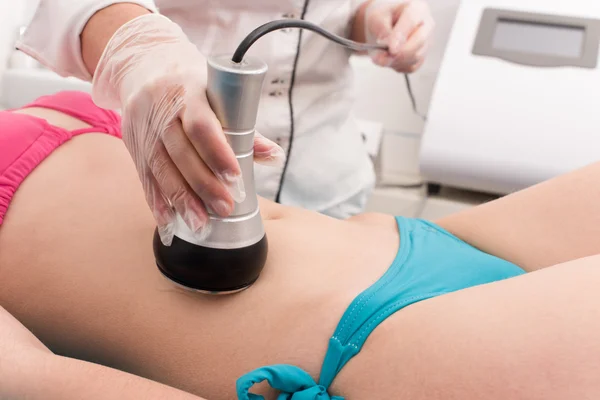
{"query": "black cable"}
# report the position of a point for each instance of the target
(411, 95)
(262, 30)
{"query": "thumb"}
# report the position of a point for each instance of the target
(267, 152)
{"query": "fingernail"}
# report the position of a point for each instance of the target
(396, 43)
(384, 61)
(221, 207)
(166, 234)
(235, 186)
(203, 233)
(163, 213)
(383, 39)
(275, 157)
(376, 54)
(379, 57)
(193, 221)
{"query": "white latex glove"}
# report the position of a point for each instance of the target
(157, 77)
(405, 26)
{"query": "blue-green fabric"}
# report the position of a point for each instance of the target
(430, 262)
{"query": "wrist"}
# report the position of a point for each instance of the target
(358, 23)
(145, 55)
(102, 26)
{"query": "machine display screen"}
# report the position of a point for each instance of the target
(539, 38)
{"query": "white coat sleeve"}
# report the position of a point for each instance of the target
(52, 36)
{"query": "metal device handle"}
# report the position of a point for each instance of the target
(234, 91)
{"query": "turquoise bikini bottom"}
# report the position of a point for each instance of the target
(430, 262)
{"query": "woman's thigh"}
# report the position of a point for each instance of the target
(547, 224)
(531, 337)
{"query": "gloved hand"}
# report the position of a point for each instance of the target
(405, 26)
(157, 77)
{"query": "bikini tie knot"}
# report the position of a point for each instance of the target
(292, 382)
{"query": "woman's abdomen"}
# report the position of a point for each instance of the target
(80, 274)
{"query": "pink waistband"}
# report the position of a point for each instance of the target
(26, 141)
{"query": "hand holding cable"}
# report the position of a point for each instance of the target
(157, 77)
(405, 26)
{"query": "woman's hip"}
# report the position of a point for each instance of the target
(530, 337)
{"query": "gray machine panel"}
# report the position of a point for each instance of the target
(540, 40)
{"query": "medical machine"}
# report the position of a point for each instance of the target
(232, 255)
(517, 98)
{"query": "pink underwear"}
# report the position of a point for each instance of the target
(25, 140)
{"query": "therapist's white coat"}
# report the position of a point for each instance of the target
(328, 168)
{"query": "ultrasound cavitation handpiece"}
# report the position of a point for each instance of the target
(234, 252)
(231, 257)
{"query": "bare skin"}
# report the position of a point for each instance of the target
(80, 275)
(28, 370)
(100, 28)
